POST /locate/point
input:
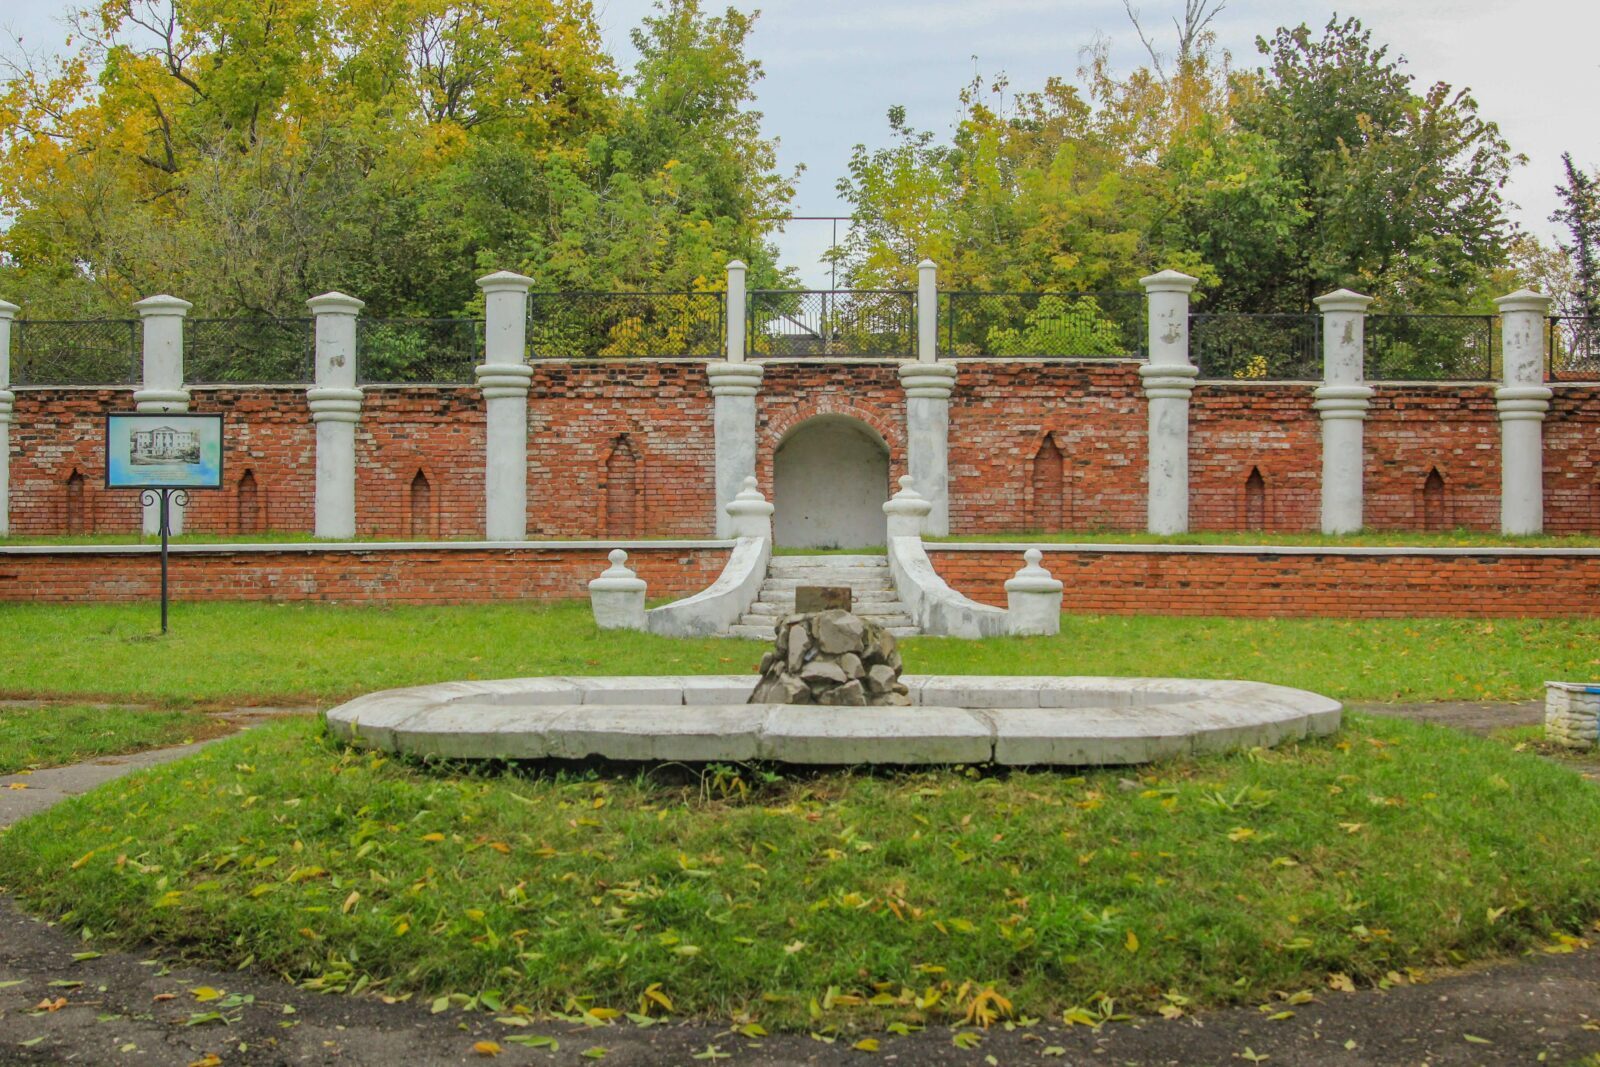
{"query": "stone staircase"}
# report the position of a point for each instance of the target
(871, 591)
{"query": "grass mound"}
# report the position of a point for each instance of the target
(842, 899)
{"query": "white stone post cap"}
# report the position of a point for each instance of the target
(1342, 300)
(617, 578)
(8, 310)
(749, 501)
(335, 303)
(504, 281)
(1524, 300)
(927, 264)
(162, 305)
(1033, 578)
(907, 501)
(1169, 281)
(737, 264)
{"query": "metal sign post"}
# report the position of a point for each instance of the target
(163, 455)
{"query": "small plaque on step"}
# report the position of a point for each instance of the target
(809, 598)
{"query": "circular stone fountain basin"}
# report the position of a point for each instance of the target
(1013, 721)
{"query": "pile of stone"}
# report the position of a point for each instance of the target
(831, 657)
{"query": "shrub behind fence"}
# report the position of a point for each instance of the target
(418, 351)
(1043, 325)
(1432, 348)
(253, 351)
(1251, 347)
(1573, 344)
(90, 352)
(854, 322)
(622, 325)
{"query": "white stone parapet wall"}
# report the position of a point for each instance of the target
(504, 376)
(8, 312)
(1522, 402)
(162, 389)
(335, 403)
(1572, 714)
(1342, 402)
(1168, 383)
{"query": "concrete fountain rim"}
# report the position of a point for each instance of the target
(1005, 720)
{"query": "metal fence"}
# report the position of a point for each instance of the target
(88, 352)
(1042, 324)
(858, 322)
(418, 351)
(1573, 345)
(623, 325)
(257, 351)
(1256, 347)
(1432, 348)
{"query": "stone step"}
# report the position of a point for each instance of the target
(764, 633)
(768, 610)
(889, 619)
(783, 599)
(787, 584)
(790, 564)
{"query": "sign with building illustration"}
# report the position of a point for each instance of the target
(163, 451)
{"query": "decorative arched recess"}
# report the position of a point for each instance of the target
(623, 497)
(422, 507)
(1435, 504)
(249, 504)
(830, 480)
(1047, 501)
(1255, 501)
(79, 520)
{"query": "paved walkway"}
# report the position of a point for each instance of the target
(132, 1007)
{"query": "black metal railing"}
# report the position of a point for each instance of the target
(1432, 348)
(858, 322)
(623, 325)
(1238, 346)
(418, 351)
(1040, 324)
(87, 352)
(1573, 347)
(258, 351)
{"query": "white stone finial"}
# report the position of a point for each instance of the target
(617, 596)
(749, 513)
(907, 510)
(1033, 598)
(1343, 300)
(335, 303)
(162, 304)
(8, 310)
(1169, 281)
(738, 265)
(505, 281)
(1524, 300)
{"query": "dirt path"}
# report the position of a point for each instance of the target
(132, 1007)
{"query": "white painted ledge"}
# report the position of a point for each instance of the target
(1121, 548)
(719, 605)
(309, 547)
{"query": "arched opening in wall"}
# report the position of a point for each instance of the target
(77, 505)
(1048, 505)
(419, 508)
(622, 490)
(1255, 501)
(247, 504)
(830, 479)
(1435, 513)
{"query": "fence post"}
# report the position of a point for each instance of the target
(8, 312)
(928, 384)
(162, 389)
(1522, 401)
(504, 376)
(335, 403)
(1341, 400)
(734, 385)
(1168, 382)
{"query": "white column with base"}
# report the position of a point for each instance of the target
(335, 410)
(928, 385)
(1522, 402)
(734, 385)
(162, 389)
(1168, 382)
(504, 377)
(8, 312)
(1341, 400)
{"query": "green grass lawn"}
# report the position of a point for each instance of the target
(1458, 538)
(267, 653)
(55, 735)
(841, 899)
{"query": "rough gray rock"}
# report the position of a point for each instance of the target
(839, 632)
(830, 657)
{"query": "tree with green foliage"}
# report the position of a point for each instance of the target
(1580, 214)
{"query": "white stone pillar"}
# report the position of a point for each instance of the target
(8, 312)
(928, 384)
(1342, 402)
(504, 377)
(335, 410)
(734, 385)
(1168, 382)
(1522, 401)
(162, 390)
(736, 312)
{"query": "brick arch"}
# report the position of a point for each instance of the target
(609, 510)
(384, 502)
(1046, 489)
(1255, 503)
(773, 433)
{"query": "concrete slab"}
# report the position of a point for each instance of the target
(650, 733)
(824, 735)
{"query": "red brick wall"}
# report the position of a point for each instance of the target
(656, 418)
(401, 576)
(1348, 584)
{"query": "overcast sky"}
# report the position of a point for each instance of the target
(834, 67)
